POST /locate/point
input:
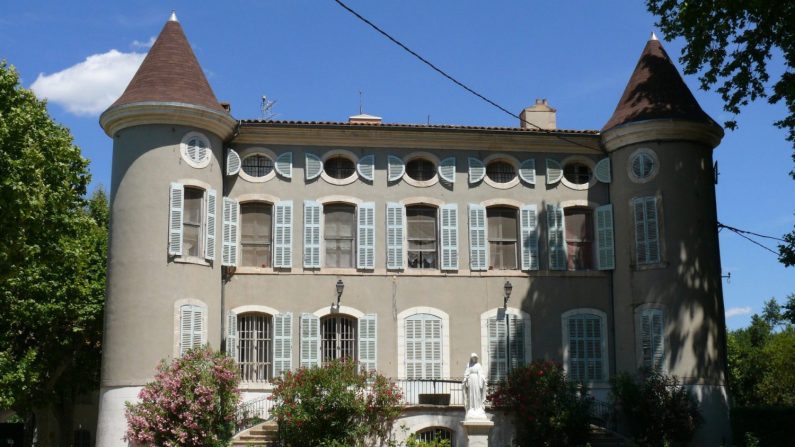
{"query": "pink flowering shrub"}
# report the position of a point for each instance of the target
(336, 405)
(191, 402)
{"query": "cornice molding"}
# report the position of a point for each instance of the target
(661, 130)
(154, 112)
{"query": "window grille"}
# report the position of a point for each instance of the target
(257, 165)
(254, 353)
(338, 338)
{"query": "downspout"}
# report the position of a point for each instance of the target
(226, 272)
(611, 287)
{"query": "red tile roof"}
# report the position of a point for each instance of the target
(656, 91)
(414, 126)
(170, 73)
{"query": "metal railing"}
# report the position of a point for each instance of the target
(253, 412)
(447, 392)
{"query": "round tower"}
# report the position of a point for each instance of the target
(164, 272)
(668, 275)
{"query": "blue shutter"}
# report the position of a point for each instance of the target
(284, 165)
(365, 167)
(368, 342)
(605, 251)
(476, 170)
(230, 221)
(365, 236)
(395, 231)
(310, 340)
(554, 171)
(283, 232)
(446, 169)
(176, 204)
(395, 168)
(478, 244)
(209, 241)
(232, 162)
(647, 243)
(556, 238)
(528, 223)
(313, 233)
(527, 171)
(282, 343)
(602, 170)
(313, 166)
(449, 236)
(231, 335)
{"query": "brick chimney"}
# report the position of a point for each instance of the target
(539, 115)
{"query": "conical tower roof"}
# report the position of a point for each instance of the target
(170, 73)
(656, 90)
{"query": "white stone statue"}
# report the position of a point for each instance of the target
(474, 389)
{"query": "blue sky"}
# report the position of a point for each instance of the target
(314, 58)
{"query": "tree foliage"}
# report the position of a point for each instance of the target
(730, 44)
(52, 258)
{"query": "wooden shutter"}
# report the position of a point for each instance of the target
(230, 223)
(554, 171)
(652, 338)
(476, 170)
(517, 354)
(423, 347)
(395, 231)
(283, 234)
(528, 224)
(446, 169)
(187, 328)
(527, 171)
(413, 345)
(365, 236)
(232, 162)
(368, 343)
(602, 170)
(478, 244)
(449, 236)
(313, 166)
(284, 165)
(231, 335)
(556, 238)
(605, 251)
(176, 203)
(282, 343)
(497, 354)
(313, 233)
(395, 168)
(366, 167)
(209, 239)
(310, 341)
(647, 244)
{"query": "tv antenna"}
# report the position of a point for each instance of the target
(266, 109)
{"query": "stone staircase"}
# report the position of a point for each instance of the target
(602, 437)
(260, 435)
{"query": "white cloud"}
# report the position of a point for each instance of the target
(137, 44)
(89, 87)
(737, 311)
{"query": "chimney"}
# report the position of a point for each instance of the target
(364, 118)
(539, 116)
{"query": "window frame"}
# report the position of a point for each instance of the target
(177, 321)
(505, 159)
(338, 342)
(265, 152)
(516, 240)
(444, 318)
(654, 170)
(201, 226)
(661, 254)
(604, 360)
(593, 243)
(353, 158)
(582, 160)
(437, 236)
(267, 365)
(639, 311)
(183, 149)
(242, 245)
(324, 233)
(433, 159)
(495, 313)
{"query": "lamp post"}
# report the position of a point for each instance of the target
(507, 288)
(340, 287)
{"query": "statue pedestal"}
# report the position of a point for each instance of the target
(477, 431)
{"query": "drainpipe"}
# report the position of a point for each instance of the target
(226, 272)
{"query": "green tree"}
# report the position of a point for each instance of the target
(52, 262)
(731, 43)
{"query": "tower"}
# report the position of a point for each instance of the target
(168, 130)
(668, 277)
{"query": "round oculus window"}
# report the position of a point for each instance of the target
(196, 150)
(642, 165)
(500, 171)
(339, 167)
(257, 165)
(421, 169)
(577, 173)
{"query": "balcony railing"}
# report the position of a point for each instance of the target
(447, 392)
(252, 412)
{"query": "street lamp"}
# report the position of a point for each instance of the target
(340, 287)
(507, 288)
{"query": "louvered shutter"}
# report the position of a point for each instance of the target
(313, 233)
(647, 244)
(283, 234)
(209, 240)
(284, 165)
(199, 331)
(231, 335)
(413, 344)
(282, 343)
(366, 167)
(554, 171)
(423, 347)
(230, 222)
(395, 168)
(446, 169)
(368, 343)
(449, 236)
(395, 230)
(365, 236)
(310, 341)
(605, 251)
(602, 170)
(556, 238)
(478, 245)
(527, 171)
(313, 166)
(517, 354)
(433, 347)
(528, 223)
(497, 354)
(652, 339)
(185, 328)
(232, 162)
(476, 170)
(176, 203)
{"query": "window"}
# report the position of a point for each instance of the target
(339, 167)
(257, 165)
(191, 327)
(192, 222)
(577, 173)
(642, 165)
(254, 346)
(423, 347)
(429, 435)
(195, 150)
(421, 169)
(338, 340)
(500, 171)
(255, 233)
(579, 238)
(647, 238)
(502, 233)
(585, 345)
(498, 355)
(338, 232)
(652, 338)
(421, 235)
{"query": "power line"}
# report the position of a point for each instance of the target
(737, 230)
(740, 233)
(454, 80)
